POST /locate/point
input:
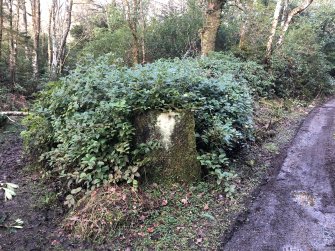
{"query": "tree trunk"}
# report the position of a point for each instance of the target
(132, 17)
(14, 113)
(284, 13)
(50, 40)
(12, 65)
(59, 42)
(36, 19)
(273, 30)
(25, 26)
(294, 12)
(53, 66)
(212, 23)
(143, 33)
(1, 26)
(16, 35)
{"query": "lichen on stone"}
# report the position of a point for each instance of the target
(166, 124)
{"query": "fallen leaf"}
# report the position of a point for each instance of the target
(206, 207)
(164, 202)
(54, 242)
(141, 234)
(198, 241)
(184, 201)
(150, 230)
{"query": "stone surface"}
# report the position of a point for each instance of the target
(176, 160)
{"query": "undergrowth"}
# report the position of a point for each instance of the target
(82, 127)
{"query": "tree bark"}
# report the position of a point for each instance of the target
(269, 46)
(284, 13)
(294, 12)
(59, 40)
(132, 17)
(36, 18)
(12, 65)
(212, 23)
(14, 113)
(16, 35)
(1, 26)
(50, 40)
(143, 33)
(25, 26)
(244, 26)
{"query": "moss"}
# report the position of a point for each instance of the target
(174, 164)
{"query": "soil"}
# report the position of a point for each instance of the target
(39, 229)
(295, 210)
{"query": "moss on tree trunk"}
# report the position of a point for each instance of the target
(176, 160)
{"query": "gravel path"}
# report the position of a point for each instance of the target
(296, 210)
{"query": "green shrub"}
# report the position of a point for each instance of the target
(83, 126)
(300, 67)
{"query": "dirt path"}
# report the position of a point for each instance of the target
(296, 210)
(38, 220)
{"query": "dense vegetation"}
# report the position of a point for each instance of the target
(124, 59)
(84, 126)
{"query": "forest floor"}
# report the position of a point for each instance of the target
(27, 205)
(296, 209)
(291, 200)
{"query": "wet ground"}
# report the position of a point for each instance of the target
(295, 211)
(39, 221)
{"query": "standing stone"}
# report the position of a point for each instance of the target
(176, 160)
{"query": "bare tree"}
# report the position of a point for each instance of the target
(12, 61)
(132, 14)
(212, 23)
(36, 19)
(275, 21)
(143, 23)
(285, 23)
(23, 7)
(61, 23)
(1, 25)
(291, 14)
(50, 39)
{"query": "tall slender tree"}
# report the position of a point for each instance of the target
(132, 13)
(12, 63)
(59, 31)
(281, 7)
(36, 20)
(25, 27)
(1, 26)
(269, 45)
(291, 14)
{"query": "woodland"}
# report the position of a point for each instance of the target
(79, 72)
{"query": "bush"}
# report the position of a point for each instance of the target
(83, 126)
(300, 67)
